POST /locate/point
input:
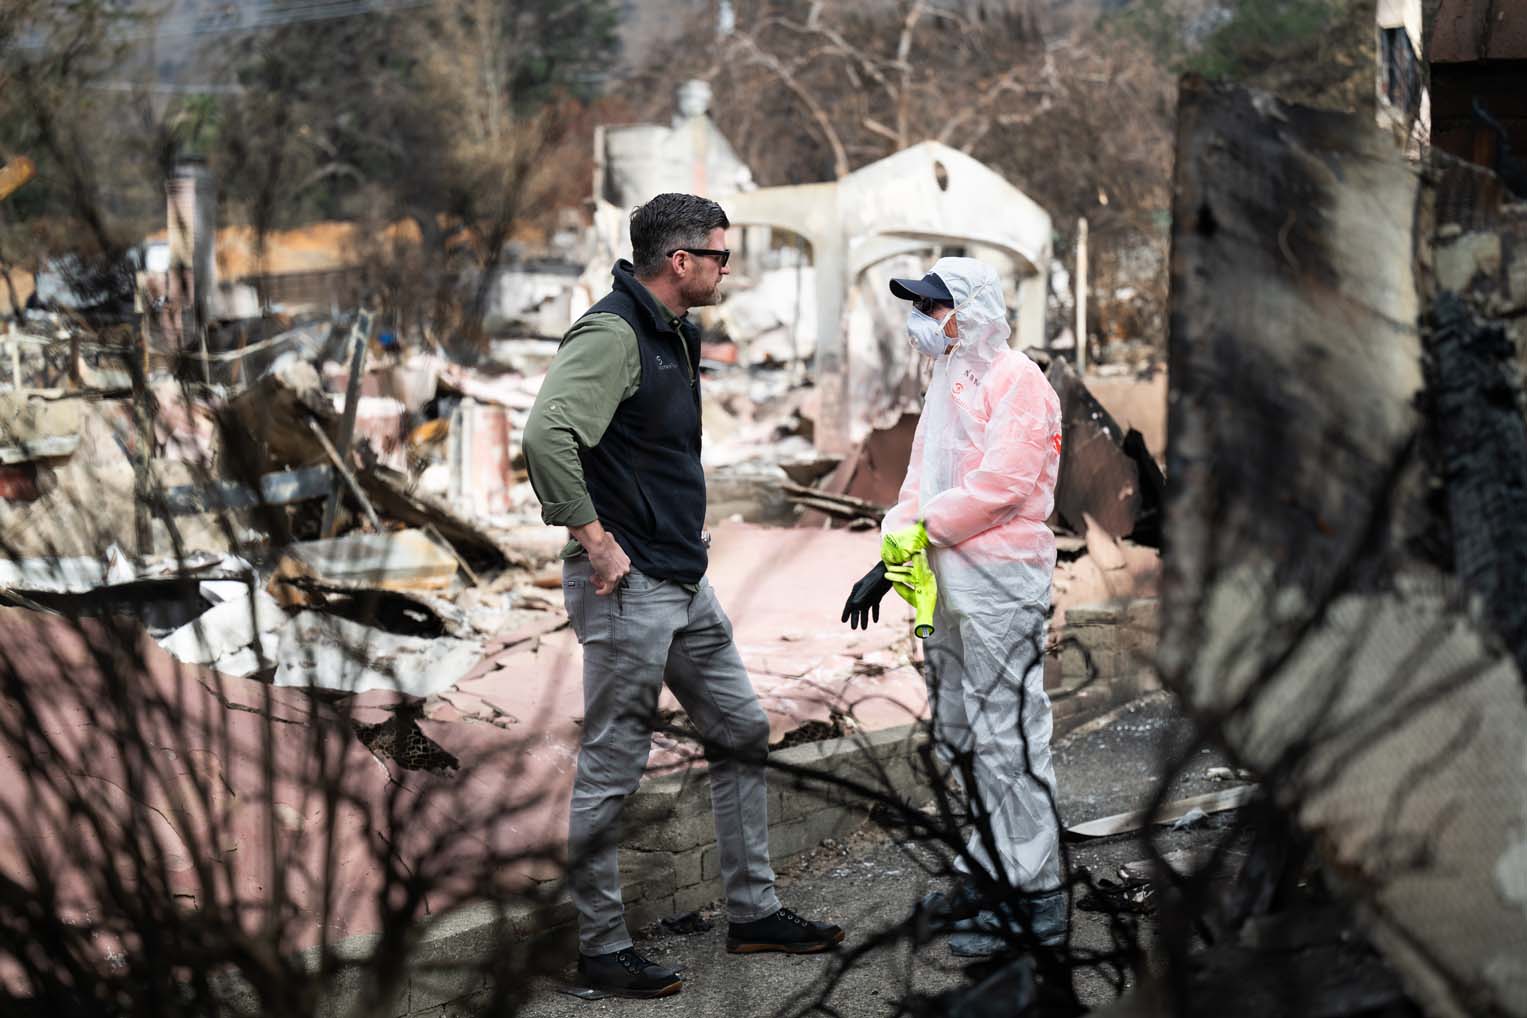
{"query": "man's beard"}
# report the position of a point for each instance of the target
(702, 297)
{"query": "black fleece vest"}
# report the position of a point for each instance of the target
(644, 475)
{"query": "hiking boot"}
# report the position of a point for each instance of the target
(783, 931)
(627, 974)
(1042, 916)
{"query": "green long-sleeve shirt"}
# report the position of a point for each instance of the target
(597, 367)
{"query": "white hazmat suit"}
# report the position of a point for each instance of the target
(982, 480)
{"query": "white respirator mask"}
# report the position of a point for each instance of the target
(927, 333)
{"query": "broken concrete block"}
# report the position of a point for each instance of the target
(654, 871)
(37, 424)
(1140, 630)
(805, 833)
(396, 560)
(650, 908)
(710, 862)
(227, 628)
(687, 867)
(1090, 659)
(322, 651)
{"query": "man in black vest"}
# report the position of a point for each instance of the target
(613, 449)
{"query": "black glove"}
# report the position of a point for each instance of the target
(864, 600)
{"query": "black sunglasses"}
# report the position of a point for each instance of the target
(721, 256)
(927, 304)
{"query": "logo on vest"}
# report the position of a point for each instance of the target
(663, 365)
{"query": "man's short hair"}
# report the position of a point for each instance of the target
(667, 222)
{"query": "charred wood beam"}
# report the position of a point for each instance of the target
(1481, 442)
(281, 488)
(843, 506)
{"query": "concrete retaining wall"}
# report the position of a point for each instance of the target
(1107, 655)
(669, 851)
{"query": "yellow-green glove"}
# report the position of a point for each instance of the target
(914, 581)
(900, 545)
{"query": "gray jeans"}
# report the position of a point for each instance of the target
(645, 634)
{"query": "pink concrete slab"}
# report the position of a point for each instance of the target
(112, 749)
(784, 592)
(536, 688)
(780, 584)
(890, 699)
(453, 705)
(883, 660)
(538, 682)
(282, 703)
(791, 659)
(539, 625)
(510, 798)
(872, 698)
(377, 699)
(437, 709)
(671, 755)
(250, 796)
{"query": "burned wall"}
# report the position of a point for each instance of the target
(1475, 335)
(1359, 679)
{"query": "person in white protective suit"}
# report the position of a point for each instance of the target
(979, 487)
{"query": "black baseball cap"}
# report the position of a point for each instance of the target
(930, 287)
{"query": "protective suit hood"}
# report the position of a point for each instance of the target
(979, 309)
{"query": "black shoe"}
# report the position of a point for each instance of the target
(627, 974)
(782, 931)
